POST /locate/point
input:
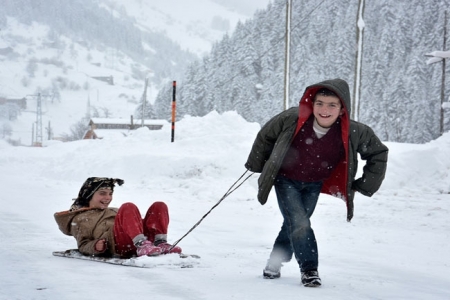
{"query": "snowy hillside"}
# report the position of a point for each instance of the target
(64, 80)
(396, 247)
(35, 60)
(195, 25)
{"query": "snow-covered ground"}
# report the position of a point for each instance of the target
(396, 247)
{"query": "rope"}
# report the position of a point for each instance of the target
(232, 188)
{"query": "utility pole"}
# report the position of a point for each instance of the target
(38, 140)
(144, 101)
(359, 39)
(49, 131)
(88, 108)
(443, 76)
(437, 56)
(287, 53)
(32, 134)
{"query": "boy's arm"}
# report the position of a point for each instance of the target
(375, 153)
(264, 143)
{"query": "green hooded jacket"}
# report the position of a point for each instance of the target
(275, 137)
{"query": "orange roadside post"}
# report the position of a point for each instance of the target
(174, 107)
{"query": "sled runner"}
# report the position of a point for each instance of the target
(168, 260)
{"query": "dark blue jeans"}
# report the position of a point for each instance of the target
(297, 201)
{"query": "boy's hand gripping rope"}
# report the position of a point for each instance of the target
(232, 188)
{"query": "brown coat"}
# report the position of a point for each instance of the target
(87, 226)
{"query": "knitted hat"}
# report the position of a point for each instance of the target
(90, 186)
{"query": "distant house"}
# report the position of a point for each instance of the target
(90, 135)
(107, 79)
(22, 103)
(101, 127)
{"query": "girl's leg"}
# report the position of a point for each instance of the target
(156, 222)
(127, 226)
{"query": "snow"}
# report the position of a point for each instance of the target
(72, 72)
(190, 24)
(441, 54)
(437, 56)
(396, 247)
(433, 60)
(119, 100)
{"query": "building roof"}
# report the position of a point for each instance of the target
(126, 121)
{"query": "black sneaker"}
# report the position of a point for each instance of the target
(311, 278)
(272, 271)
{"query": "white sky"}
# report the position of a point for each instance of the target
(189, 22)
(396, 247)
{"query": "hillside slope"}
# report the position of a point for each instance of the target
(36, 60)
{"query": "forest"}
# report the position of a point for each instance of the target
(399, 93)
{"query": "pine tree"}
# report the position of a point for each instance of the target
(399, 92)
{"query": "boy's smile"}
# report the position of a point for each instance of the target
(326, 110)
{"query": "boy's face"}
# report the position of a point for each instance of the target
(326, 110)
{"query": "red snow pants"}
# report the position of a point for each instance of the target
(129, 223)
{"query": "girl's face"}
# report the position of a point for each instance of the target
(101, 198)
(326, 110)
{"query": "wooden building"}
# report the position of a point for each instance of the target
(99, 127)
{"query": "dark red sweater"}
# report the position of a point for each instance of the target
(311, 159)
